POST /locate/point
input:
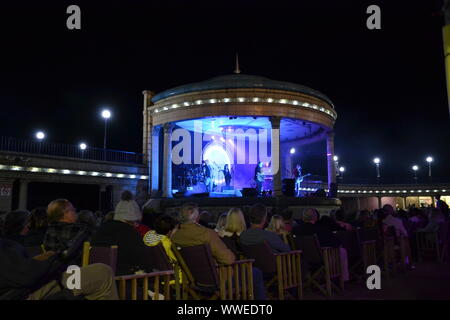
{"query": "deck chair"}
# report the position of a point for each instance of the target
(146, 279)
(350, 242)
(106, 255)
(207, 280)
(433, 244)
(325, 263)
(162, 263)
(284, 268)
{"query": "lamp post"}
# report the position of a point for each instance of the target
(377, 162)
(336, 165)
(415, 169)
(341, 171)
(429, 159)
(83, 147)
(40, 136)
(106, 114)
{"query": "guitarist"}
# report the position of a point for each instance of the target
(299, 179)
(259, 178)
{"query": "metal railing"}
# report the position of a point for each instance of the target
(70, 151)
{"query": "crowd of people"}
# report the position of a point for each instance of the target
(54, 228)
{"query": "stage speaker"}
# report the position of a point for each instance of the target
(289, 187)
(333, 190)
(249, 192)
(200, 195)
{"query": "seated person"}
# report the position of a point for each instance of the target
(276, 225)
(234, 226)
(19, 271)
(88, 219)
(220, 226)
(128, 207)
(256, 234)
(325, 236)
(289, 222)
(190, 233)
(329, 223)
(62, 227)
(165, 228)
(435, 221)
(16, 226)
(310, 227)
(132, 254)
(390, 220)
(38, 227)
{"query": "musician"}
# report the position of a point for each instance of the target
(259, 178)
(298, 179)
(207, 173)
(227, 175)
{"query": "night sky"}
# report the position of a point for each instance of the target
(388, 85)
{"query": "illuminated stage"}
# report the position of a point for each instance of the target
(195, 134)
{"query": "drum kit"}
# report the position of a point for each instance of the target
(194, 175)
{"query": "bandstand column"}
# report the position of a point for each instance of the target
(155, 161)
(276, 155)
(330, 162)
(167, 162)
(23, 195)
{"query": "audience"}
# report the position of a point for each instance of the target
(190, 233)
(276, 225)
(390, 220)
(165, 228)
(88, 219)
(127, 207)
(435, 221)
(256, 234)
(289, 222)
(62, 226)
(16, 226)
(132, 255)
(234, 226)
(220, 225)
(38, 227)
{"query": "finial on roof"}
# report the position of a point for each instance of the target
(237, 70)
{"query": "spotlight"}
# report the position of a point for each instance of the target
(40, 135)
(292, 151)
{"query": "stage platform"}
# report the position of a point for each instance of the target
(219, 205)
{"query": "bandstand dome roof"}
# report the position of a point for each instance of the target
(240, 81)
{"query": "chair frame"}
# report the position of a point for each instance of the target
(330, 269)
(226, 276)
(288, 273)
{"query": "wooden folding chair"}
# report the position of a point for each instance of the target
(106, 255)
(433, 244)
(207, 280)
(326, 263)
(155, 278)
(350, 241)
(161, 262)
(285, 268)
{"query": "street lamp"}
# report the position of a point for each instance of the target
(40, 135)
(83, 147)
(336, 164)
(377, 163)
(429, 160)
(292, 151)
(106, 114)
(341, 171)
(415, 169)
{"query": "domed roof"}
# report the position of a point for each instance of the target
(237, 81)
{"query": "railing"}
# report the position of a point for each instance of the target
(383, 181)
(70, 151)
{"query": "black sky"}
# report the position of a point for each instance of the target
(388, 85)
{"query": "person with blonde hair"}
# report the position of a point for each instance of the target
(220, 226)
(235, 223)
(276, 225)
